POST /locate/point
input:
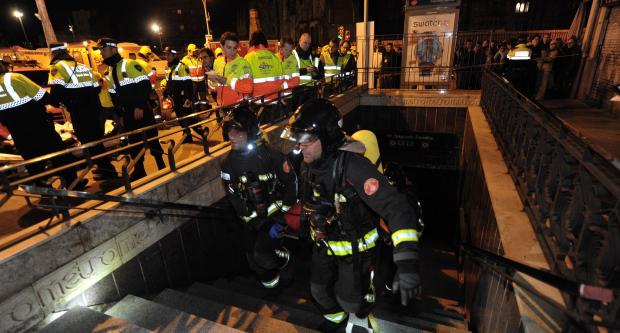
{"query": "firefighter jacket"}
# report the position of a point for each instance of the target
(266, 72)
(356, 192)
(306, 59)
(290, 71)
(179, 82)
(266, 168)
(238, 74)
(196, 71)
(74, 85)
(128, 85)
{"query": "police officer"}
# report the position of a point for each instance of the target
(77, 88)
(130, 87)
(22, 111)
(341, 191)
(261, 186)
(179, 88)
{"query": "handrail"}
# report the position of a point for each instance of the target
(588, 292)
(569, 188)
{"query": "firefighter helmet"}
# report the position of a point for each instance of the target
(244, 119)
(317, 118)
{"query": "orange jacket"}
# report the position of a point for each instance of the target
(266, 72)
(238, 79)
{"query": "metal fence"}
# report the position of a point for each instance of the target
(570, 191)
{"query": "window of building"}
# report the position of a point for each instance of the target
(179, 11)
(182, 27)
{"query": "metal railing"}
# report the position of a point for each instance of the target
(504, 270)
(570, 190)
(270, 111)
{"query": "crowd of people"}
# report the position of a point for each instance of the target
(552, 64)
(195, 80)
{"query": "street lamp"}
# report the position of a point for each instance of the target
(157, 29)
(19, 16)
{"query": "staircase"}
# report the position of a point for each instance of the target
(240, 304)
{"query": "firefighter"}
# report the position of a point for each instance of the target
(266, 68)
(77, 88)
(197, 74)
(179, 88)
(130, 87)
(342, 193)
(290, 71)
(261, 186)
(234, 74)
(22, 111)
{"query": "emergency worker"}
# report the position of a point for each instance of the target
(521, 69)
(144, 58)
(77, 88)
(310, 67)
(196, 72)
(234, 74)
(22, 111)
(346, 61)
(341, 193)
(130, 88)
(330, 58)
(179, 88)
(261, 186)
(290, 70)
(266, 68)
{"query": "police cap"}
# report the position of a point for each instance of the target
(105, 42)
(56, 47)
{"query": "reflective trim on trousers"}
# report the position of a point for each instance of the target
(337, 317)
(271, 284)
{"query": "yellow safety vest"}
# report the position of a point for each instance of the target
(128, 72)
(303, 63)
(71, 75)
(16, 90)
(196, 70)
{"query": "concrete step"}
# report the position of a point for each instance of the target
(161, 318)
(81, 319)
(225, 314)
(261, 306)
(290, 297)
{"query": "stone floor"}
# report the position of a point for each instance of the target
(599, 127)
(16, 214)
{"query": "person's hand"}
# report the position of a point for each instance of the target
(407, 281)
(276, 231)
(311, 69)
(138, 113)
(217, 78)
(187, 104)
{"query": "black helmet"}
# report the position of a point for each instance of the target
(316, 118)
(243, 119)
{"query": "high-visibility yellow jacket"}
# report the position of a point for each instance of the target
(290, 71)
(238, 74)
(196, 71)
(71, 75)
(131, 88)
(17, 90)
(266, 72)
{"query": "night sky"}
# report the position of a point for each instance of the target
(110, 18)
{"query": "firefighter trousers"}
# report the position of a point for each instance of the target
(260, 251)
(342, 283)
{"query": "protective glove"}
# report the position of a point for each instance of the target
(276, 231)
(407, 281)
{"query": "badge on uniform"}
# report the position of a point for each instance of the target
(371, 186)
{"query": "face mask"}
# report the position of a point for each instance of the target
(112, 60)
